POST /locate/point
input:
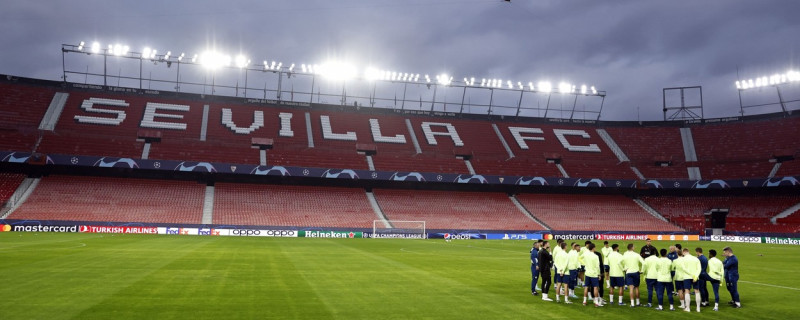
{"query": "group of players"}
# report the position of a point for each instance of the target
(667, 272)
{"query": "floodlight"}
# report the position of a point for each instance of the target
(416, 78)
(530, 86)
(302, 67)
(146, 52)
(444, 79)
(372, 74)
(564, 87)
(118, 49)
(194, 58)
(80, 46)
(240, 61)
(214, 60)
(545, 86)
(166, 56)
(594, 91)
(291, 67)
(510, 86)
(95, 47)
(337, 70)
(180, 57)
(583, 89)
(427, 79)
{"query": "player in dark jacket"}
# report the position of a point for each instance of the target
(534, 267)
(545, 264)
(731, 265)
(648, 250)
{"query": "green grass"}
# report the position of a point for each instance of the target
(91, 276)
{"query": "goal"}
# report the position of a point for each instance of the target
(398, 229)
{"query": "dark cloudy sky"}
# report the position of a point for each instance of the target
(632, 49)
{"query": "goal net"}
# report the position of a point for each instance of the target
(398, 229)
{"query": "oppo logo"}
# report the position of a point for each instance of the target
(245, 232)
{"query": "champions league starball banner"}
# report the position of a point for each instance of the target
(354, 174)
(350, 174)
(357, 174)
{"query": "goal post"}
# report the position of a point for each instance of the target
(399, 229)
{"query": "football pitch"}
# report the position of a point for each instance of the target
(94, 276)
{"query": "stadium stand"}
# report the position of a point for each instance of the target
(726, 150)
(291, 206)
(592, 213)
(596, 164)
(21, 110)
(645, 146)
(743, 149)
(790, 168)
(9, 182)
(454, 209)
(73, 198)
(790, 224)
(747, 212)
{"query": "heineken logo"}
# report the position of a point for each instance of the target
(331, 234)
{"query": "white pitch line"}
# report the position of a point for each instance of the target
(770, 285)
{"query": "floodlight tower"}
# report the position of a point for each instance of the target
(775, 80)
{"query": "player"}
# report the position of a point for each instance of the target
(704, 278)
(602, 274)
(534, 267)
(692, 269)
(651, 275)
(556, 251)
(560, 261)
(545, 263)
(648, 250)
(665, 271)
(632, 263)
(605, 251)
(672, 255)
(716, 272)
(592, 265)
(616, 274)
(572, 266)
(731, 265)
(680, 274)
(582, 268)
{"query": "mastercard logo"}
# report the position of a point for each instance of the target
(5, 228)
(548, 236)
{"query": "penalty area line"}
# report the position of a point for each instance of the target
(770, 285)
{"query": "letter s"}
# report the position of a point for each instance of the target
(89, 106)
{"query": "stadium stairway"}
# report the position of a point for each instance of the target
(19, 197)
(528, 213)
(690, 153)
(208, 206)
(651, 211)
(621, 156)
(785, 213)
(378, 211)
(592, 213)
